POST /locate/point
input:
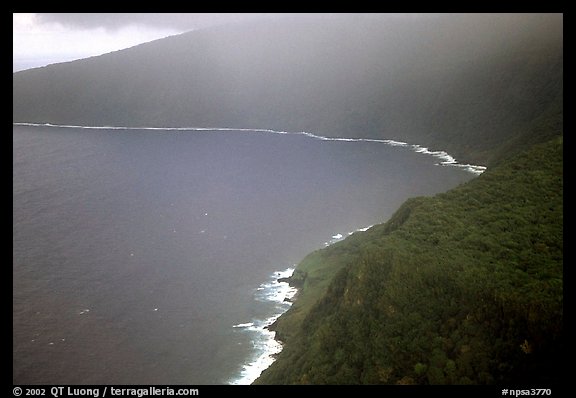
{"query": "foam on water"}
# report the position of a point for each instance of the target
(266, 347)
(244, 325)
(338, 237)
(445, 158)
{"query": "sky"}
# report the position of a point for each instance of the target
(42, 39)
(46, 38)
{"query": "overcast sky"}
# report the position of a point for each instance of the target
(42, 39)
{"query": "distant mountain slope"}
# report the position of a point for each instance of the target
(462, 288)
(464, 83)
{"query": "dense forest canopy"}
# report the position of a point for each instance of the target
(462, 288)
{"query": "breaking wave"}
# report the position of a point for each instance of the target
(444, 158)
(266, 347)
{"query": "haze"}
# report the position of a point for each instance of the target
(41, 39)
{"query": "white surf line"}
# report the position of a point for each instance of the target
(74, 126)
(445, 158)
(339, 237)
(265, 345)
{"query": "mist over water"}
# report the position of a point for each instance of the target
(136, 252)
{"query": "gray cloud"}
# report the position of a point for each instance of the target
(174, 21)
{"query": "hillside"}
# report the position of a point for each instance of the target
(462, 83)
(465, 287)
(462, 288)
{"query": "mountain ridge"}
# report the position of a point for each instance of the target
(428, 81)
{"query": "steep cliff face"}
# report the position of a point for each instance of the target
(464, 83)
(462, 288)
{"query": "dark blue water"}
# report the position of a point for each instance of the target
(135, 252)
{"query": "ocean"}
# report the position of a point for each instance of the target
(151, 256)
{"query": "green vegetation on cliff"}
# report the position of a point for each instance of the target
(462, 288)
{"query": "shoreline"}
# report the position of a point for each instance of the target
(288, 283)
(266, 345)
(445, 158)
(281, 290)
